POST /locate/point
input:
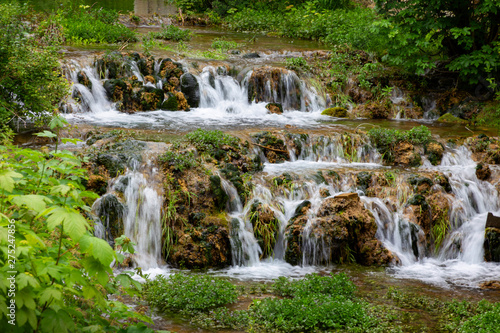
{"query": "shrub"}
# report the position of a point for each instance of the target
(211, 141)
(223, 45)
(177, 161)
(191, 293)
(488, 321)
(335, 284)
(297, 64)
(84, 25)
(171, 32)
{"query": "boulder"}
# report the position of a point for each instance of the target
(191, 89)
(483, 171)
(338, 112)
(275, 108)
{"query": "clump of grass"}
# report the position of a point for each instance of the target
(171, 32)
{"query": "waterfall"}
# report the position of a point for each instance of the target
(92, 97)
(140, 213)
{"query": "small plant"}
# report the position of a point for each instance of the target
(177, 161)
(223, 45)
(212, 141)
(298, 64)
(171, 32)
(190, 293)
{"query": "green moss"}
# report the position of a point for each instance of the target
(449, 118)
(338, 112)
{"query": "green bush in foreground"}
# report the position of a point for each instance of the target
(488, 321)
(190, 293)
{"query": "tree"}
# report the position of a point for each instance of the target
(31, 81)
(463, 33)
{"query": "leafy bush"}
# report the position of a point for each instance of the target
(171, 32)
(335, 284)
(31, 83)
(223, 45)
(385, 140)
(318, 302)
(63, 273)
(487, 321)
(297, 64)
(177, 161)
(84, 25)
(211, 141)
(191, 293)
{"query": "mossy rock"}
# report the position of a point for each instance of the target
(83, 79)
(492, 244)
(275, 108)
(150, 98)
(451, 119)
(111, 211)
(170, 103)
(418, 200)
(191, 89)
(338, 112)
(435, 151)
(363, 180)
(420, 184)
(220, 195)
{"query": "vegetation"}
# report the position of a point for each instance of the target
(91, 24)
(31, 84)
(211, 141)
(62, 272)
(171, 32)
(188, 293)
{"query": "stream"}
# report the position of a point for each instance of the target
(457, 269)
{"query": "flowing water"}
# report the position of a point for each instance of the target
(225, 105)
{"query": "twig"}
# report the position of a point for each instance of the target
(269, 148)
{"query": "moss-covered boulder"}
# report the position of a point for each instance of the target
(451, 119)
(203, 245)
(338, 112)
(483, 171)
(111, 211)
(434, 151)
(274, 108)
(150, 98)
(265, 227)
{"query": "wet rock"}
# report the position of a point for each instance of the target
(170, 103)
(293, 235)
(146, 65)
(405, 155)
(373, 110)
(191, 89)
(449, 118)
(346, 231)
(97, 184)
(301, 209)
(444, 182)
(492, 244)
(483, 171)
(363, 180)
(116, 157)
(493, 285)
(110, 210)
(233, 174)
(82, 78)
(283, 179)
(110, 65)
(275, 108)
(338, 112)
(114, 164)
(276, 85)
(203, 246)
(252, 55)
(420, 184)
(220, 196)
(435, 151)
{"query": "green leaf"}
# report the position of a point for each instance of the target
(7, 179)
(60, 189)
(75, 225)
(33, 202)
(73, 141)
(50, 294)
(97, 248)
(25, 297)
(59, 321)
(46, 134)
(24, 279)
(95, 268)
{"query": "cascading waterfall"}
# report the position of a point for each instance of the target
(92, 97)
(470, 200)
(141, 211)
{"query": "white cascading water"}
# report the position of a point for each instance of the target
(460, 260)
(223, 102)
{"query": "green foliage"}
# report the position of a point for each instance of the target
(63, 273)
(88, 25)
(323, 303)
(31, 83)
(171, 32)
(338, 284)
(190, 293)
(223, 45)
(211, 141)
(177, 161)
(464, 34)
(298, 64)
(487, 321)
